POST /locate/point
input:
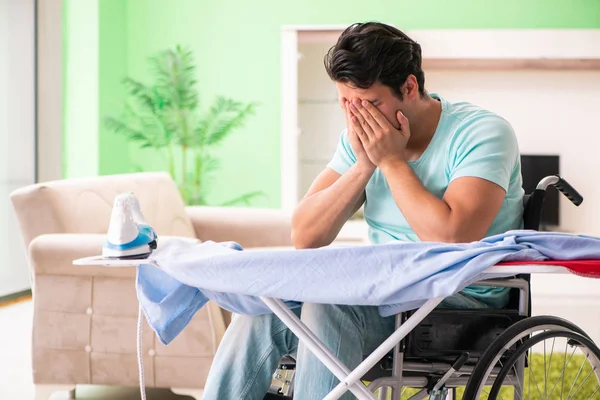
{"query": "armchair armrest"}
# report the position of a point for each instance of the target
(54, 254)
(250, 227)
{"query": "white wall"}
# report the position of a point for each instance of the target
(552, 112)
(17, 124)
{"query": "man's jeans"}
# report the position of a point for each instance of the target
(252, 347)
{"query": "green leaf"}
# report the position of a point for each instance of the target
(224, 116)
(210, 164)
(121, 128)
(225, 127)
(175, 77)
(142, 94)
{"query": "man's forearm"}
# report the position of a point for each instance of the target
(429, 216)
(320, 216)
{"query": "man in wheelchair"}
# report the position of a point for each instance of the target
(424, 168)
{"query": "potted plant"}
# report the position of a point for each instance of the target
(165, 116)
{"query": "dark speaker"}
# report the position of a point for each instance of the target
(533, 169)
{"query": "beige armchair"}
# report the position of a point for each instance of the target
(85, 318)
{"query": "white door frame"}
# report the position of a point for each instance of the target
(291, 35)
(49, 93)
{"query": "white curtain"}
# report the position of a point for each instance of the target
(17, 132)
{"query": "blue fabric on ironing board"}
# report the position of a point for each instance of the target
(395, 276)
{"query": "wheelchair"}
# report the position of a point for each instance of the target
(487, 353)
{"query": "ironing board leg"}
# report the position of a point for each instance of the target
(384, 348)
(317, 347)
(310, 334)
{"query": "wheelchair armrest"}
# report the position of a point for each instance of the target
(517, 283)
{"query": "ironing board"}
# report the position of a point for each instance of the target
(351, 380)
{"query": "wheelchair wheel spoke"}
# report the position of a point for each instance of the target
(577, 376)
(529, 386)
(500, 397)
(562, 374)
(582, 383)
(535, 380)
(550, 363)
(519, 385)
(522, 389)
(562, 389)
(545, 370)
(595, 391)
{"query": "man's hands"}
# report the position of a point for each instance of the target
(382, 143)
(361, 155)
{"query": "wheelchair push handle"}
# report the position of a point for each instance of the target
(563, 186)
(569, 191)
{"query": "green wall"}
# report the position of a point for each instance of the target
(94, 60)
(237, 49)
(80, 88)
(112, 48)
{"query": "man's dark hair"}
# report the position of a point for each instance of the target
(372, 52)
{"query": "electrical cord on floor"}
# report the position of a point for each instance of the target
(139, 354)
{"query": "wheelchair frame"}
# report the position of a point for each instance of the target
(351, 380)
(446, 375)
(447, 371)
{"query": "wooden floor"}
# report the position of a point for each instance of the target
(9, 301)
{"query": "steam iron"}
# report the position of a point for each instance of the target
(129, 235)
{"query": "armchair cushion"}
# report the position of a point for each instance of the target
(250, 227)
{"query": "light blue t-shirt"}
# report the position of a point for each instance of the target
(468, 141)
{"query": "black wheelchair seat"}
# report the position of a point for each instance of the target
(445, 334)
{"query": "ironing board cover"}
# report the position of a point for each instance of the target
(585, 268)
(395, 277)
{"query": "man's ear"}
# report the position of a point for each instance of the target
(410, 88)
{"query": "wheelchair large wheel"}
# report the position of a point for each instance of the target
(585, 384)
(496, 357)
